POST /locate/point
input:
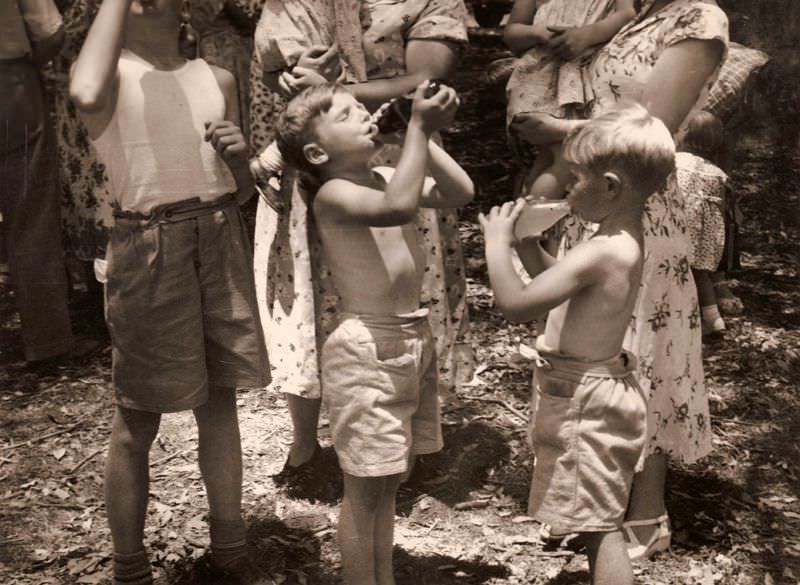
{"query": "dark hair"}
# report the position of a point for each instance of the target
(295, 127)
(704, 135)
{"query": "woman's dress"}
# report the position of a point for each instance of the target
(665, 329)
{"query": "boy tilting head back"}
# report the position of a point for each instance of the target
(378, 366)
(589, 424)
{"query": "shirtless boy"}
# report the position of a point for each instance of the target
(379, 365)
(589, 424)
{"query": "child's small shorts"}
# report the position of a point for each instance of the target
(181, 307)
(589, 433)
(379, 378)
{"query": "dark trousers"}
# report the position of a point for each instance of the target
(29, 202)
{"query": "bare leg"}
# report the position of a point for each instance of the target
(305, 418)
(647, 495)
(384, 532)
(220, 453)
(705, 288)
(608, 558)
(357, 520)
(127, 477)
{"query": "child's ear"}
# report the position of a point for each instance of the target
(315, 154)
(613, 184)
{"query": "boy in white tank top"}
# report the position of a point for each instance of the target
(181, 304)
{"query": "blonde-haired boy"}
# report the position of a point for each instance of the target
(589, 422)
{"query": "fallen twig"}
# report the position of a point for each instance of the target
(171, 457)
(471, 505)
(502, 402)
(84, 461)
(72, 427)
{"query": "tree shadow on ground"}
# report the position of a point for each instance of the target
(443, 570)
(470, 451)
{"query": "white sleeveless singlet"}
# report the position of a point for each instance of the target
(153, 146)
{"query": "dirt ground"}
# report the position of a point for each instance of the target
(461, 520)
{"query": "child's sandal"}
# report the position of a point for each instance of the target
(658, 542)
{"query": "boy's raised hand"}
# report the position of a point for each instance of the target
(228, 140)
(434, 112)
(498, 224)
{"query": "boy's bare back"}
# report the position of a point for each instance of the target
(593, 322)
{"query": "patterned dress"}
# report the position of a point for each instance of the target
(86, 213)
(222, 44)
(297, 300)
(543, 83)
(702, 184)
(665, 328)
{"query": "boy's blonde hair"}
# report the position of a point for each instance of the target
(704, 135)
(628, 139)
(295, 127)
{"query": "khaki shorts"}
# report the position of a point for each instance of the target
(380, 380)
(181, 310)
(589, 431)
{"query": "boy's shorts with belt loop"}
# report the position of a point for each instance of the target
(589, 431)
(181, 305)
(380, 379)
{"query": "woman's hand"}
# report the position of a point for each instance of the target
(568, 43)
(498, 225)
(293, 82)
(542, 129)
(323, 60)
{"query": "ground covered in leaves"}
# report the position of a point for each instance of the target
(461, 520)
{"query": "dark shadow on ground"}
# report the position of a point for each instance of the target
(275, 548)
(443, 570)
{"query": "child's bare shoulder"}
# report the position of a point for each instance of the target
(225, 78)
(608, 252)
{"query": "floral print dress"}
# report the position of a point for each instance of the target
(297, 300)
(86, 212)
(543, 83)
(665, 327)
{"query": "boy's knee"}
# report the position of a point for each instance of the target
(135, 430)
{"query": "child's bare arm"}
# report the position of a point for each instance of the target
(520, 302)
(570, 42)
(534, 258)
(94, 75)
(520, 34)
(227, 139)
(453, 187)
(343, 201)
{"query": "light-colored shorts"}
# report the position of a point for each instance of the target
(181, 309)
(589, 431)
(380, 379)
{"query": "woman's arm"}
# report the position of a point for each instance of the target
(678, 77)
(425, 59)
(570, 42)
(520, 34)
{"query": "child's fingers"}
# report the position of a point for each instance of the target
(519, 205)
(557, 29)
